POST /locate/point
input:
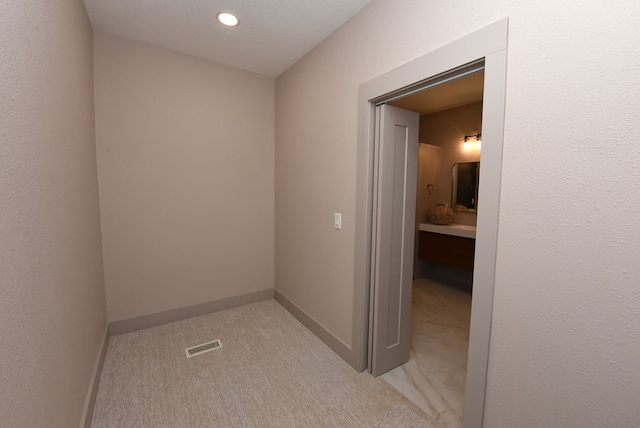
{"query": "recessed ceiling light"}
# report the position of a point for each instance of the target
(228, 19)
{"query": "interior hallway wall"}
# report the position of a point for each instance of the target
(52, 303)
(564, 341)
(186, 166)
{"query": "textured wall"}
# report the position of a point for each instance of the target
(52, 305)
(565, 334)
(186, 164)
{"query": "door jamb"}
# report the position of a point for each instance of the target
(490, 44)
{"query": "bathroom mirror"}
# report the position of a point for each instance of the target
(464, 191)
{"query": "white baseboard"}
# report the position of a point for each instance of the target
(92, 393)
(343, 350)
(159, 318)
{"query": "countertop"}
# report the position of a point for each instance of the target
(461, 230)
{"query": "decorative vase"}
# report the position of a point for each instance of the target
(441, 214)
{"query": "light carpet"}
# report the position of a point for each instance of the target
(270, 372)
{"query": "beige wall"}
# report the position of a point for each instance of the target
(52, 304)
(447, 129)
(564, 340)
(186, 164)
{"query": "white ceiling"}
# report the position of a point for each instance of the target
(272, 35)
(456, 93)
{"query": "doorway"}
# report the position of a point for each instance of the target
(485, 48)
(435, 373)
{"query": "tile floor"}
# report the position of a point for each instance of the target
(434, 377)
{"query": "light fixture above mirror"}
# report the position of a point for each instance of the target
(472, 142)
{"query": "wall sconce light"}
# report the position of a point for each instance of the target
(473, 141)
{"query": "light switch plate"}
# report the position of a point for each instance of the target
(337, 220)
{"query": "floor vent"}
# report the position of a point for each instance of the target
(201, 349)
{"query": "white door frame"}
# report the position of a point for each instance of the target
(488, 44)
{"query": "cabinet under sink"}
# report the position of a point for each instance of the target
(450, 245)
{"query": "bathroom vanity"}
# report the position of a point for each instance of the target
(450, 245)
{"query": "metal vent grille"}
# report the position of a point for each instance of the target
(201, 349)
